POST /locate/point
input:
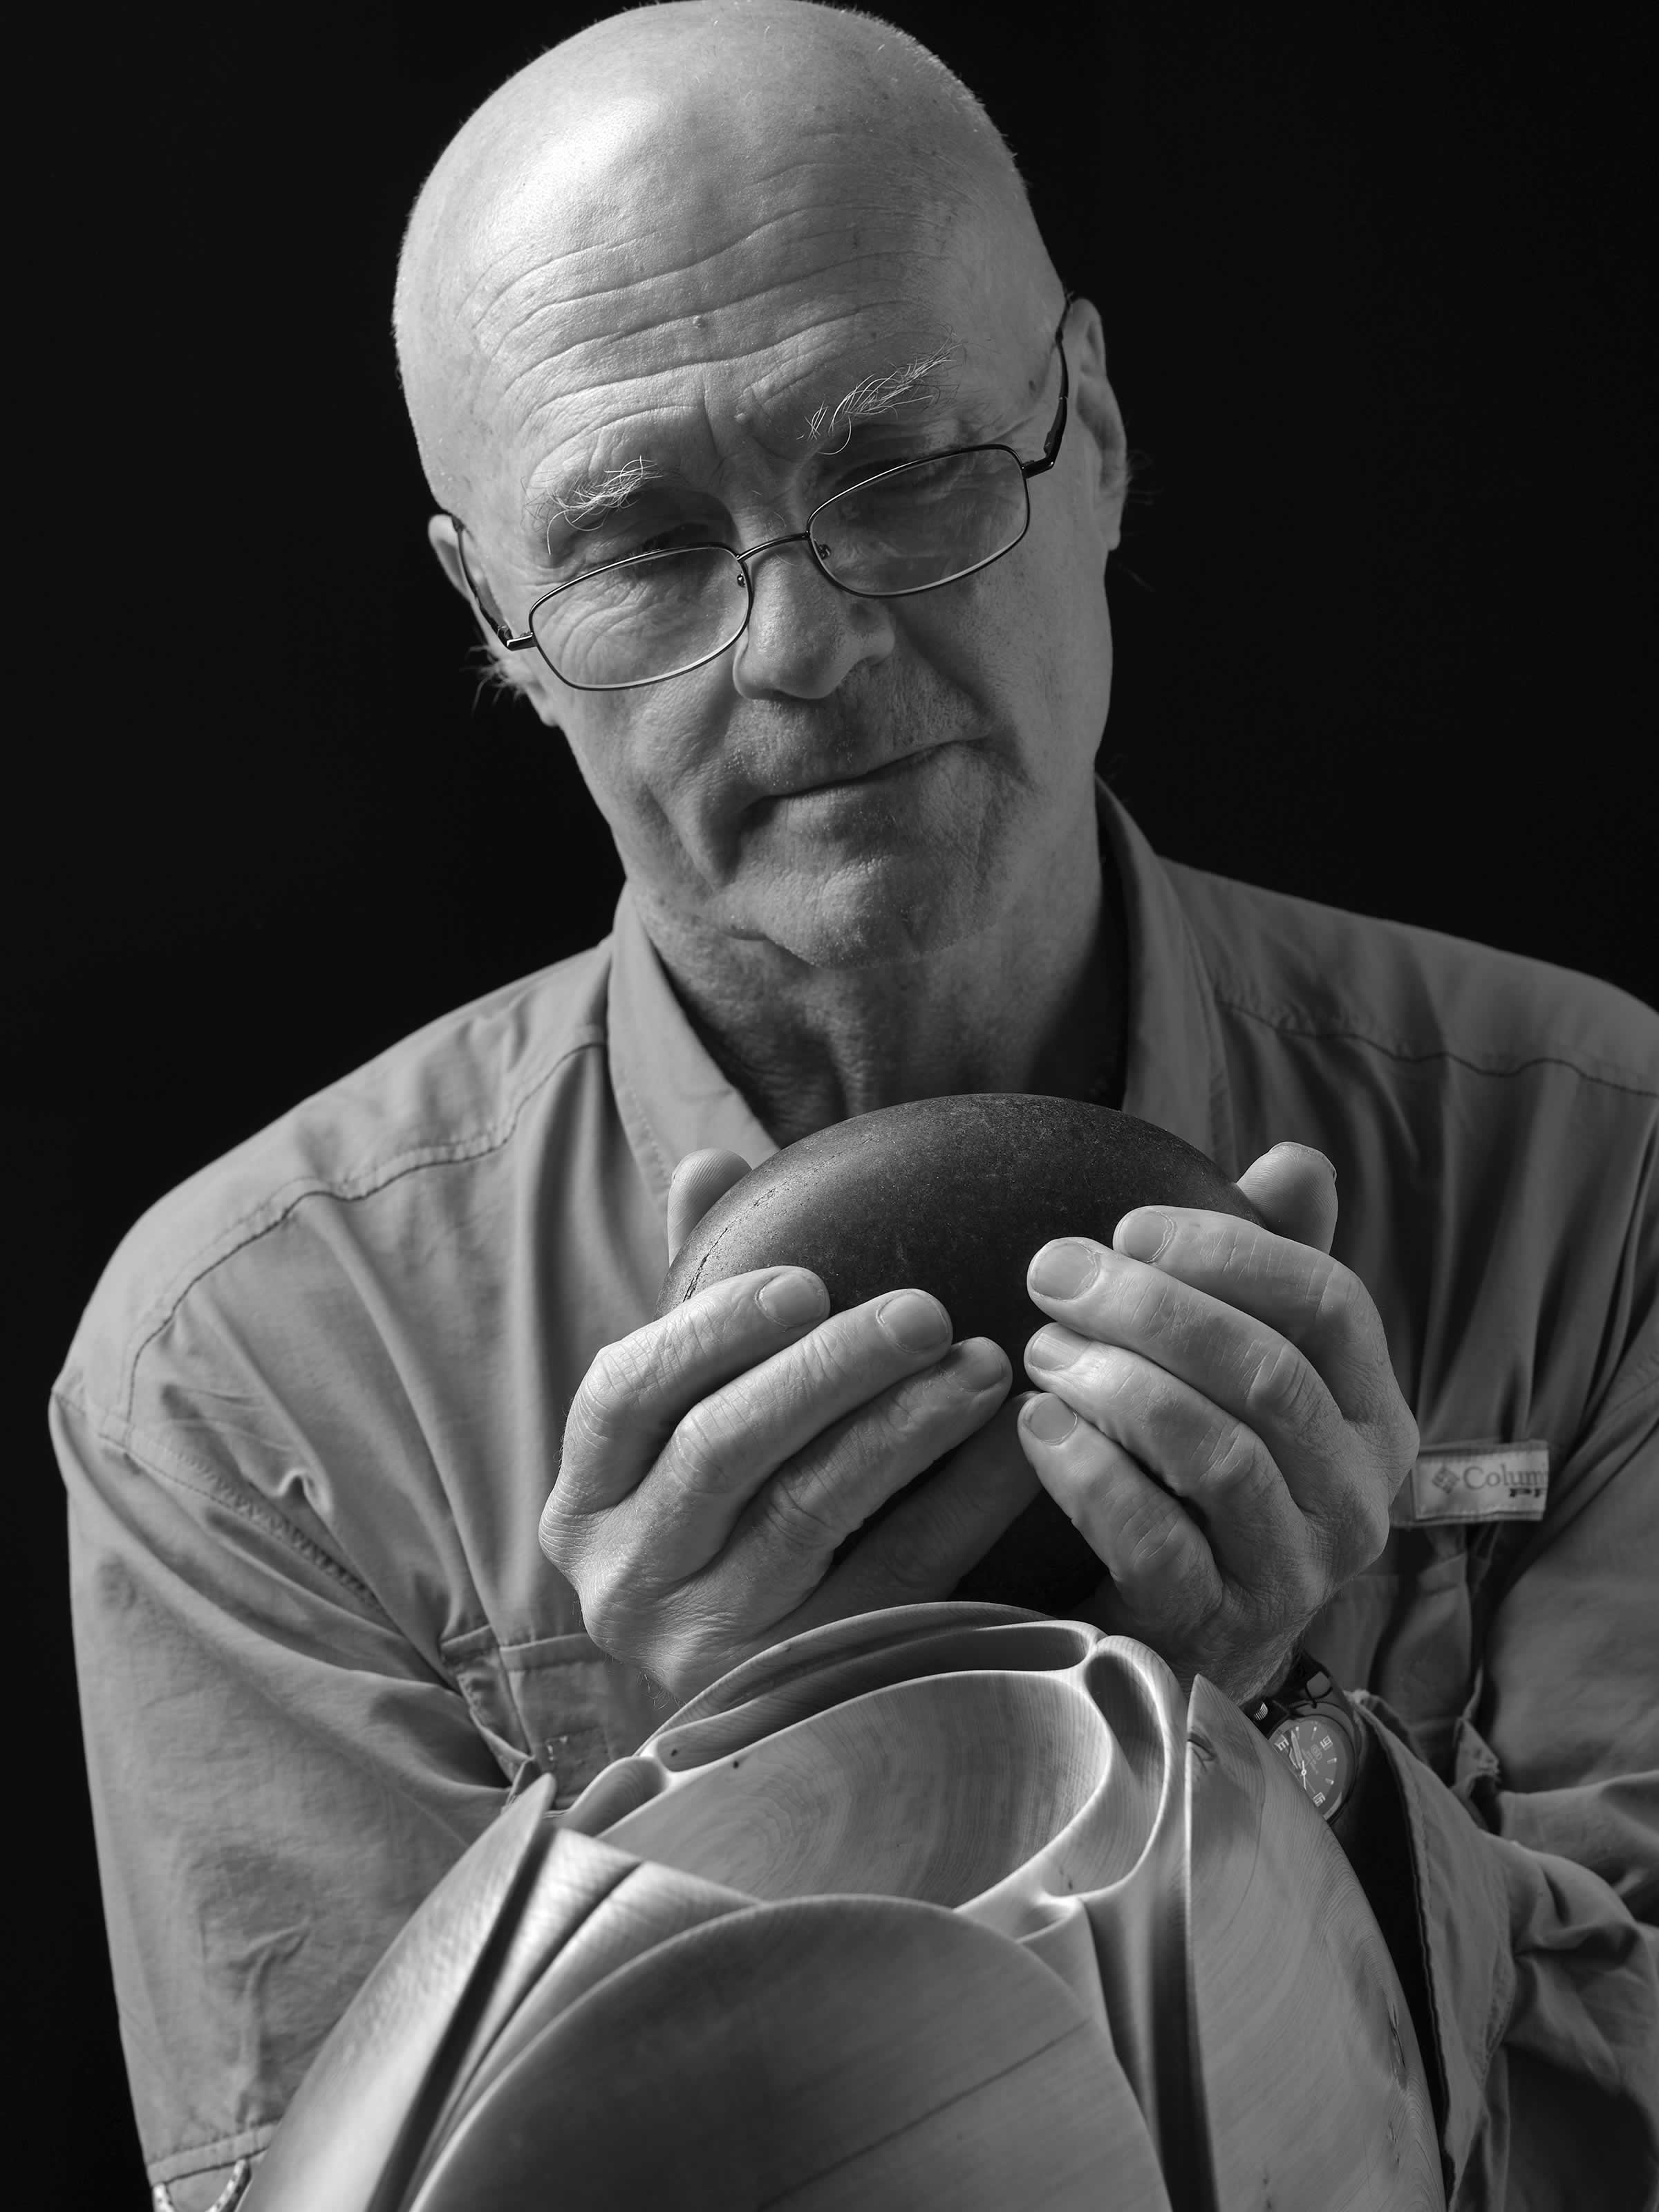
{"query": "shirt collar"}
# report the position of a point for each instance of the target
(674, 1100)
(1176, 1073)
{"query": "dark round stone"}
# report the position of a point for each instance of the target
(954, 1196)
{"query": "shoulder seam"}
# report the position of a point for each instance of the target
(1290, 1025)
(390, 1172)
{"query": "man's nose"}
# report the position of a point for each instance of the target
(804, 635)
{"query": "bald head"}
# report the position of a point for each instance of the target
(682, 161)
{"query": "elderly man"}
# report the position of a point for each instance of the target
(781, 473)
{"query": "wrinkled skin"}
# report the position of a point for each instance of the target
(863, 842)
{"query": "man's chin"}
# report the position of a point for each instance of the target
(871, 915)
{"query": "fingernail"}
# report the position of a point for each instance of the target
(1143, 1236)
(1050, 1420)
(789, 1300)
(1064, 1268)
(1049, 1348)
(980, 1365)
(913, 1319)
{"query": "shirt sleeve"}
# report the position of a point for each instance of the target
(277, 1779)
(1535, 1866)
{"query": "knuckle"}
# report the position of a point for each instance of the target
(1157, 1304)
(1378, 1530)
(915, 1411)
(1343, 1304)
(1113, 1376)
(850, 1349)
(1309, 1582)
(798, 1515)
(700, 1449)
(612, 1385)
(1284, 1388)
(553, 1533)
(1231, 1459)
(1407, 1439)
(701, 1329)
(1149, 1543)
(1370, 1525)
(602, 1617)
(600, 1624)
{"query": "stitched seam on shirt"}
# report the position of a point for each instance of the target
(665, 1166)
(1304, 1025)
(110, 1429)
(429, 1155)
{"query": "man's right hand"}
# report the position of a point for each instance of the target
(716, 1459)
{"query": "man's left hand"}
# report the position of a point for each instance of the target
(1220, 1420)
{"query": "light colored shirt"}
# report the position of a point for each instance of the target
(313, 1411)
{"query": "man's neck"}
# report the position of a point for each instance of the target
(1038, 1004)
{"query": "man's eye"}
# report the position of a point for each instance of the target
(674, 539)
(850, 479)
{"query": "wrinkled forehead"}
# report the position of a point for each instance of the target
(662, 266)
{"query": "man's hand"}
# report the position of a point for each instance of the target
(1241, 1433)
(715, 1459)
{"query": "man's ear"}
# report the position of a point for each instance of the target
(1097, 408)
(511, 670)
(440, 536)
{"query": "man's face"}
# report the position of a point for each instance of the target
(856, 780)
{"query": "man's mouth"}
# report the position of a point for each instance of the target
(860, 779)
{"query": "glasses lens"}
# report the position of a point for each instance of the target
(923, 525)
(643, 619)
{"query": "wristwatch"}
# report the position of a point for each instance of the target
(1313, 1728)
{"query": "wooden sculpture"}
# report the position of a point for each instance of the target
(954, 1908)
(950, 1907)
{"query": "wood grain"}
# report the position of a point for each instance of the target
(834, 2055)
(944, 1908)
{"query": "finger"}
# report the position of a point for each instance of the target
(844, 1418)
(1161, 1567)
(1236, 1296)
(697, 1182)
(636, 1390)
(1215, 1463)
(926, 1545)
(782, 1547)
(1293, 1189)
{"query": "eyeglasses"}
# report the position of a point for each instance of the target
(903, 530)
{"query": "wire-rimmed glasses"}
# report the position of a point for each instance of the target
(902, 531)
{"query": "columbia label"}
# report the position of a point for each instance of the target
(1481, 1482)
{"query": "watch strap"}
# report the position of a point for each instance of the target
(1304, 1685)
(1307, 1689)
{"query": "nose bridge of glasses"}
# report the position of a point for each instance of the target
(751, 553)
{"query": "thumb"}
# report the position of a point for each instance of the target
(697, 1182)
(1293, 1189)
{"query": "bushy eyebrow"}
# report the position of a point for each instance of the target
(593, 500)
(876, 395)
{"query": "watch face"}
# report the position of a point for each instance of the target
(1318, 1757)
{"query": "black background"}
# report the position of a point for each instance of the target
(1374, 280)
